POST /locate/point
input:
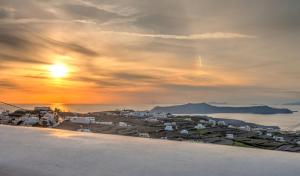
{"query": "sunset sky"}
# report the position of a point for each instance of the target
(149, 51)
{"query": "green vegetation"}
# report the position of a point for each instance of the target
(240, 144)
(202, 132)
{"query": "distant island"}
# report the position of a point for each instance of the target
(204, 108)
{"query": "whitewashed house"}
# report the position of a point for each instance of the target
(257, 129)
(184, 131)
(245, 128)
(200, 126)
(168, 128)
(188, 119)
(83, 120)
(168, 124)
(47, 119)
(105, 123)
(212, 122)
(278, 138)
(229, 136)
(123, 124)
(269, 134)
(273, 130)
(152, 120)
(203, 121)
(159, 115)
(231, 126)
(259, 133)
(111, 113)
(221, 123)
(140, 114)
(31, 120)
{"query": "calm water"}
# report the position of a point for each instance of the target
(289, 122)
(284, 121)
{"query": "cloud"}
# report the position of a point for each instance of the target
(8, 84)
(118, 79)
(133, 76)
(99, 82)
(204, 36)
(26, 39)
(24, 59)
(6, 13)
(73, 47)
(14, 41)
(89, 12)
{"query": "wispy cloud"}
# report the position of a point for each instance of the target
(204, 36)
(8, 84)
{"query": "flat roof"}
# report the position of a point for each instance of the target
(51, 152)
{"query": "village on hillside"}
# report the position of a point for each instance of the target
(158, 125)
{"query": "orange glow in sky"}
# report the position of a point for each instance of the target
(106, 52)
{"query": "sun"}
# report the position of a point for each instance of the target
(58, 71)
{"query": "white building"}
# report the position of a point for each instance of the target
(31, 120)
(212, 122)
(200, 126)
(203, 121)
(111, 113)
(229, 136)
(298, 142)
(168, 128)
(278, 138)
(245, 128)
(221, 123)
(259, 133)
(83, 120)
(257, 129)
(147, 114)
(123, 124)
(159, 115)
(47, 119)
(269, 134)
(105, 123)
(168, 124)
(152, 120)
(188, 119)
(273, 130)
(231, 126)
(184, 131)
(140, 114)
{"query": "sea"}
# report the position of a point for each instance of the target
(288, 122)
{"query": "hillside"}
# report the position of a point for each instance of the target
(204, 108)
